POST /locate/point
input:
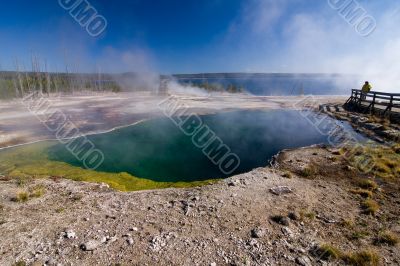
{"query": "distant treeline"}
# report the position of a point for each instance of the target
(14, 84)
(255, 75)
(217, 87)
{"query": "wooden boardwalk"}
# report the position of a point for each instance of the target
(378, 103)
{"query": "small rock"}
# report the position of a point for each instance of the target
(90, 245)
(51, 262)
(112, 239)
(373, 126)
(293, 216)
(280, 190)
(253, 243)
(196, 198)
(70, 234)
(104, 186)
(130, 241)
(257, 232)
(287, 232)
(303, 261)
(157, 243)
(233, 183)
(281, 220)
(213, 264)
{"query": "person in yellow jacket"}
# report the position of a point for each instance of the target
(365, 89)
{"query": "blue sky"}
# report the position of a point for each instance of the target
(191, 36)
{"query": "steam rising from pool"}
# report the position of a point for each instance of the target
(159, 151)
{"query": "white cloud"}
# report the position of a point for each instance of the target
(321, 41)
(262, 15)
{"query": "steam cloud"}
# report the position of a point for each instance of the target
(321, 41)
(268, 36)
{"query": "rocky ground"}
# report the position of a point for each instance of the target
(377, 128)
(270, 216)
(311, 207)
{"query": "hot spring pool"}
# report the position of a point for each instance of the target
(158, 150)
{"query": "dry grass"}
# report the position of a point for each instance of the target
(384, 161)
(60, 210)
(368, 184)
(396, 148)
(305, 214)
(37, 192)
(287, 174)
(22, 181)
(328, 252)
(20, 263)
(388, 238)
(309, 171)
(370, 206)
(362, 192)
(362, 258)
(21, 196)
(347, 223)
(359, 235)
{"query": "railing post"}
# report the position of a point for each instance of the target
(373, 103)
(389, 108)
(360, 100)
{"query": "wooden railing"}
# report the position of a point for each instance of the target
(384, 103)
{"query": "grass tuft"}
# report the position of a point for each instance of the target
(37, 192)
(382, 161)
(287, 174)
(328, 252)
(304, 214)
(396, 148)
(388, 238)
(347, 223)
(359, 235)
(60, 210)
(362, 192)
(21, 181)
(362, 258)
(20, 263)
(370, 206)
(368, 184)
(308, 171)
(21, 196)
